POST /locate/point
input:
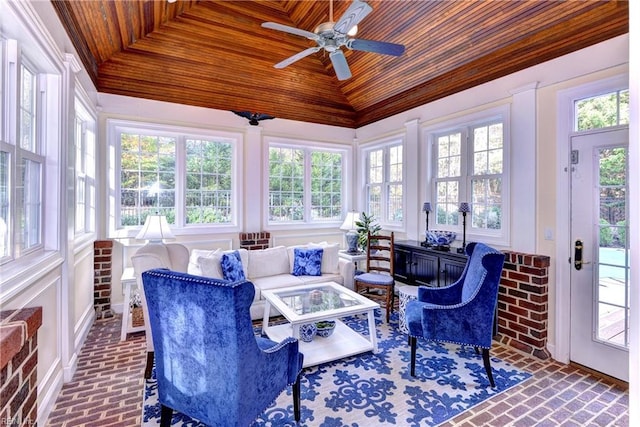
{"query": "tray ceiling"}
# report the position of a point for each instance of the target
(215, 54)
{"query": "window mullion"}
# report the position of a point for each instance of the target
(466, 174)
(181, 181)
(307, 186)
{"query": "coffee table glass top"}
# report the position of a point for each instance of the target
(316, 299)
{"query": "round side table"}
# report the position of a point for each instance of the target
(406, 293)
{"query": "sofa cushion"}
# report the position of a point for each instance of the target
(268, 262)
(275, 282)
(231, 265)
(194, 263)
(308, 280)
(307, 261)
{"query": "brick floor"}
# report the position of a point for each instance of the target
(107, 390)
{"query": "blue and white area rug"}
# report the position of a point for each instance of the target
(377, 389)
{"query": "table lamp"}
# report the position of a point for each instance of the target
(155, 229)
(426, 208)
(349, 225)
(464, 209)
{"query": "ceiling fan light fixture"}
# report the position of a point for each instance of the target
(353, 31)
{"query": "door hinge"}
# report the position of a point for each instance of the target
(575, 157)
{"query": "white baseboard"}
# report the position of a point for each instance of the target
(47, 397)
(117, 308)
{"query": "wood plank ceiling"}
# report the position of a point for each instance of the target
(215, 54)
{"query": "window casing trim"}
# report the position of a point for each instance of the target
(117, 126)
(308, 147)
(384, 144)
(467, 123)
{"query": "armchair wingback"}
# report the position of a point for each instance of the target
(173, 256)
(209, 363)
(463, 312)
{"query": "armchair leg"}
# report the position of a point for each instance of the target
(165, 416)
(487, 366)
(412, 342)
(149, 366)
(296, 399)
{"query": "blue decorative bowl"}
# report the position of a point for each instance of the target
(325, 328)
(440, 237)
(307, 332)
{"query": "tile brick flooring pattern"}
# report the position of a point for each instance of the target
(107, 390)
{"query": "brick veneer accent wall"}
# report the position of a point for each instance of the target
(18, 366)
(523, 303)
(102, 278)
(255, 240)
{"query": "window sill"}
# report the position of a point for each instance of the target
(22, 273)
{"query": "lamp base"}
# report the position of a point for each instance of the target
(352, 242)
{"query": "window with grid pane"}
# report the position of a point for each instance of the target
(147, 177)
(5, 206)
(609, 109)
(30, 172)
(486, 181)
(177, 172)
(209, 179)
(448, 177)
(305, 184)
(326, 186)
(85, 170)
(469, 167)
(384, 187)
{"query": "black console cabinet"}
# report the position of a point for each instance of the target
(417, 265)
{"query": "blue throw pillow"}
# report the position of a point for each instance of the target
(307, 262)
(231, 266)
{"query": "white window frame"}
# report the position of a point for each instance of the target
(115, 127)
(467, 123)
(308, 147)
(385, 145)
(86, 154)
(45, 153)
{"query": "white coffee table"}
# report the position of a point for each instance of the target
(295, 304)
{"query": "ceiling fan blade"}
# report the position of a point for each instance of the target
(376, 47)
(290, 30)
(298, 56)
(354, 14)
(340, 65)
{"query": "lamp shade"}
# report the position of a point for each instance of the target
(464, 207)
(426, 207)
(155, 229)
(350, 221)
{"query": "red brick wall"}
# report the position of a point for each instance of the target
(523, 303)
(255, 240)
(18, 366)
(102, 254)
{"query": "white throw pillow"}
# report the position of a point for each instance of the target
(330, 257)
(268, 262)
(194, 263)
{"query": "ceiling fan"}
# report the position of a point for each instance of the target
(331, 36)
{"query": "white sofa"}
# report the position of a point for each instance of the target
(271, 268)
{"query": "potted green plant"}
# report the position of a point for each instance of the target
(365, 225)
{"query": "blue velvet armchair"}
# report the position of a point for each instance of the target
(462, 313)
(209, 364)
